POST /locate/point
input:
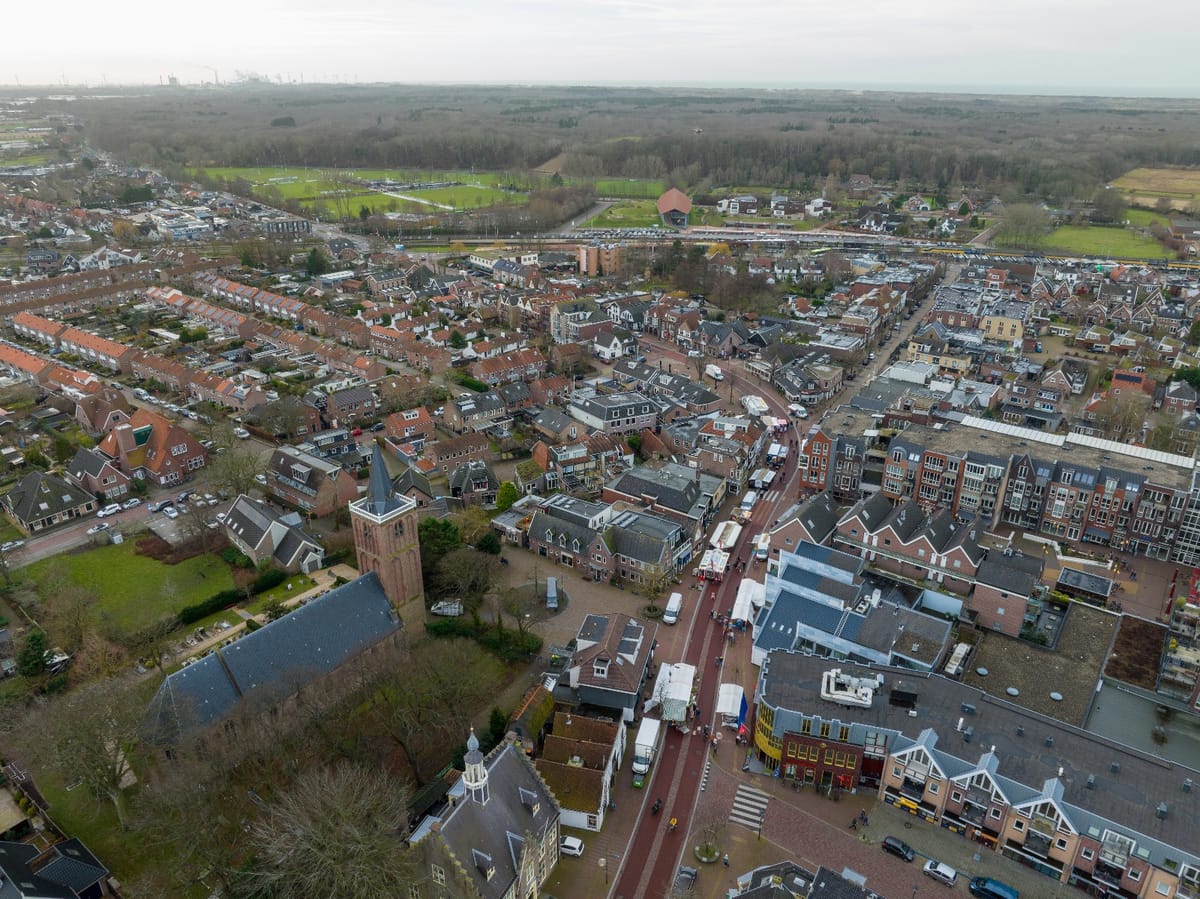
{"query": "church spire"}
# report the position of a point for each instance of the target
(381, 498)
(475, 778)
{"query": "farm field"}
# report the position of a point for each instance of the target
(1117, 243)
(1182, 186)
(134, 591)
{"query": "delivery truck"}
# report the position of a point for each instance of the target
(714, 372)
(645, 748)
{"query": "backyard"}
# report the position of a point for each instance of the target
(134, 591)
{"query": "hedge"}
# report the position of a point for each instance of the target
(505, 644)
(223, 600)
(272, 577)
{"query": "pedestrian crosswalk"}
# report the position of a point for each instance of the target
(749, 807)
(772, 495)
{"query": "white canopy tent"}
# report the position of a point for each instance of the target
(673, 691)
(750, 597)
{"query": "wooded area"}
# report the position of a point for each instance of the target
(1050, 147)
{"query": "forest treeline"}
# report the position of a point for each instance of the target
(1053, 148)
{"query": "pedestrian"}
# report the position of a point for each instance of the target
(854, 824)
(725, 860)
(712, 614)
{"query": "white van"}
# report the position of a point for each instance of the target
(674, 607)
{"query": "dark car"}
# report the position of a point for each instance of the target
(898, 848)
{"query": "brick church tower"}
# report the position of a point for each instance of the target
(385, 538)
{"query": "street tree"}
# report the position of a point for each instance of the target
(334, 832)
(506, 496)
(234, 469)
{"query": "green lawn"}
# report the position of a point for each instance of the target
(1117, 243)
(468, 196)
(1144, 218)
(623, 187)
(135, 591)
(33, 159)
(627, 214)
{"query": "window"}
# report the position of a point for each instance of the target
(896, 772)
(806, 727)
(1018, 826)
(844, 733)
(956, 796)
(933, 788)
(824, 728)
(1162, 888)
(439, 876)
(1060, 843)
(414, 892)
(994, 813)
(1134, 874)
(1088, 854)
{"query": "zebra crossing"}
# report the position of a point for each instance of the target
(772, 495)
(749, 807)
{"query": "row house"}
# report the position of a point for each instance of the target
(1069, 375)
(22, 365)
(475, 412)
(100, 350)
(64, 285)
(228, 320)
(956, 306)
(912, 544)
(209, 388)
(522, 365)
(410, 425)
(74, 383)
(684, 495)
(1097, 816)
(344, 408)
(38, 329)
(444, 455)
(171, 374)
(831, 462)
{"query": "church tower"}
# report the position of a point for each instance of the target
(385, 538)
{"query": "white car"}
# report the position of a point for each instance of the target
(97, 528)
(110, 509)
(693, 354)
(131, 503)
(11, 545)
(570, 846)
(171, 512)
(261, 479)
(241, 433)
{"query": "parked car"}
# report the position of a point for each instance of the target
(685, 879)
(241, 433)
(261, 478)
(97, 528)
(110, 509)
(11, 545)
(357, 432)
(898, 848)
(159, 505)
(131, 503)
(940, 872)
(171, 512)
(570, 846)
(185, 496)
(693, 354)
(377, 427)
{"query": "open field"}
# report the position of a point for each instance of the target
(627, 214)
(1181, 186)
(1118, 243)
(134, 591)
(1144, 218)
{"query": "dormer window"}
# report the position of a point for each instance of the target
(600, 668)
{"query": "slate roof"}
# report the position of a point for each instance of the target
(498, 828)
(1017, 573)
(67, 872)
(381, 499)
(275, 661)
(818, 514)
(42, 494)
(623, 641)
(87, 462)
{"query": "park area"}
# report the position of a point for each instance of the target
(627, 214)
(1144, 187)
(133, 591)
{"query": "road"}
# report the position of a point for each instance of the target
(655, 852)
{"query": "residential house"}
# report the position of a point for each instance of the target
(474, 484)
(475, 412)
(315, 486)
(42, 500)
(65, 870)
(813, 520)
(1006, 595)
(150, 447)
(410, 426)
(579, 763)
(345, 408)
(99, 475)
(1178, 399)
(610, 665)
(685, 495)
(521, 365)
(100, 412)
(446, 454)
(267, 538)
(615, 413)
(614, 343)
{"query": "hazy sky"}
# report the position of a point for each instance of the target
(1044, 46)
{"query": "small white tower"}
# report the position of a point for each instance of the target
(476, 777)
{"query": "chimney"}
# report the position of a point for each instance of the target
(125, 441)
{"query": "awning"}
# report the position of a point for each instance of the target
(1095, 534)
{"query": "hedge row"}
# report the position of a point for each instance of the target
(506, 644)
(219, 601)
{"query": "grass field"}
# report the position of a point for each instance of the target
(623, 187)
(1182, 186)
(135, 591)
(1144, 218)
(627, 214)
(1117, 243)
(31, 159)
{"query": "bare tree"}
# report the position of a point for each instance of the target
(336, 832)
(87, 736)
(234, 469)
(68, 615)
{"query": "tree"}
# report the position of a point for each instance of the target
(654, 584)
(437, 537)
(88, 736)
(1024, 225)
(457, 341)
(489, 543)
(31, 660)
(468, 575)
(334, 832)
(1108, 205)
(69, 614)
(234, 469)
(316, 263)
(506, 496)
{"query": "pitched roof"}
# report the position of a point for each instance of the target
(674, 200)
(381, 498)
(275, 661)
(41, 494)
